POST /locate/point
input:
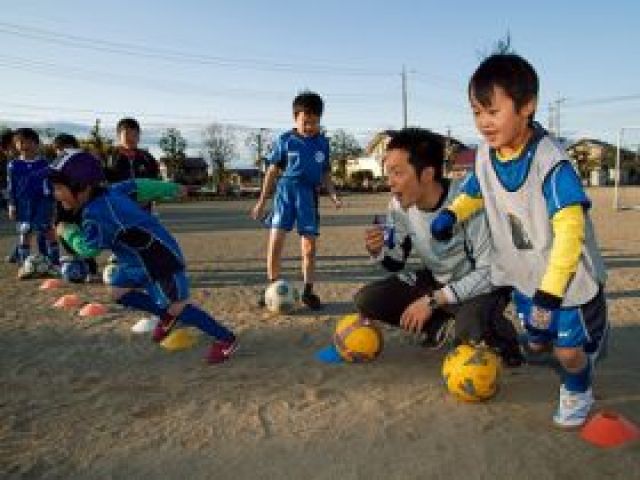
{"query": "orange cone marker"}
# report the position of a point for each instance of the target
(51, 283)
(92, 310)
(609, 429)
(68, 301)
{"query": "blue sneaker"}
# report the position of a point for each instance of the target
(573, 408)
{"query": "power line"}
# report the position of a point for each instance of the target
(175, 56)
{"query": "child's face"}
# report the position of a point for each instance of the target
(67, 198)
(405, 185)
(307, 124)
(26, 148)
(129, 137)
(504, 128)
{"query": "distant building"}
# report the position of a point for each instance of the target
(461, 163)
(190, 171)
(595, 161)
(246, 180)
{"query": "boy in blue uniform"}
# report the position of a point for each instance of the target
(7, 153)
(300, 157)
(543, 239)
(31, 201)
(150, 273)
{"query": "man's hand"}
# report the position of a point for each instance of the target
(12, 212)
(258, 210)
(416, 315)
(374, 240)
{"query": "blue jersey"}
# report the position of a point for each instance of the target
(114, 221)
(561, 188)
(301, 159)
(27, 180)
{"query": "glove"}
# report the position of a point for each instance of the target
(442, 225)
(544, 305)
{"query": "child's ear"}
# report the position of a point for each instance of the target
(529, 108)
(427, 174)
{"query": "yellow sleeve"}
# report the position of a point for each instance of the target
(465, 205)
(568, 237)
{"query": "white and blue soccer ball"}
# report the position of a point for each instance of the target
(74, 271)
(281, 297)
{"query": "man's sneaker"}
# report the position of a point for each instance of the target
(311, 300)
(573, 408)
(220, 351)
(164, 328)
(438, 332)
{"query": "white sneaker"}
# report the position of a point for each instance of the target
(573, 408)
(145, 325)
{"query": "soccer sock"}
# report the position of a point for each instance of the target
(196, 317)
(24, 250)
(53, 252)
(578, 381)
(140, 301)
(43, 244)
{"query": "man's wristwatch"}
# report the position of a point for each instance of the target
(432, 302)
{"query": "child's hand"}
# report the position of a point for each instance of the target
(416, 315)
(258, 211)
(374, 240)
(12, 212)
(60, 229)
(336, 201)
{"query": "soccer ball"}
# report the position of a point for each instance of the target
(36, 265)
(357, 339)
(74, 271)
(108, 273)
(471, 373)
(281, 297)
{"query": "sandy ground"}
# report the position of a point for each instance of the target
(84, 398)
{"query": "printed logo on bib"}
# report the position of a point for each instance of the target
(319, 156)
(518, 235)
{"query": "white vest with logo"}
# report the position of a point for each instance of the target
(522, 231)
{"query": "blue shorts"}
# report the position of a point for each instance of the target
(295, 203)
(163, 291)
(34, 215)
(583, 326)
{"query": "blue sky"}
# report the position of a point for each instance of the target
(190, 63)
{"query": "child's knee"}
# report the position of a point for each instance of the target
(571, 358)
(308, 247)
(176, 308)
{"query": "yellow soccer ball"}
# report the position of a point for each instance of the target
(471, 373)
(357, 339)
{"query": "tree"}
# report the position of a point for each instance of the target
(174, 146)
(343, 147)
(260, 142)
(220, 146)
(97, 143)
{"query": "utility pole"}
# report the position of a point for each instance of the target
(404, 96)
(556, 111)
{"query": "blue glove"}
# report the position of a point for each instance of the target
(442, 225)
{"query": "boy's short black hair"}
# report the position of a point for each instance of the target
(128, 122)
(509, 71)
(425, 148)
(6, 139)
(28, 134)
(308, 102)
(65, 140)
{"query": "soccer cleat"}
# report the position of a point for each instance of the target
(220, 351)
(438, 333)
(164, 327)
(311, 300)
(573, 408)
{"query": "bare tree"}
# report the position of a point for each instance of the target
(220, 146)
(343, 147)
(174, 146)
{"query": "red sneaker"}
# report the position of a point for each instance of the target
(220, 351)
(160, 332)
